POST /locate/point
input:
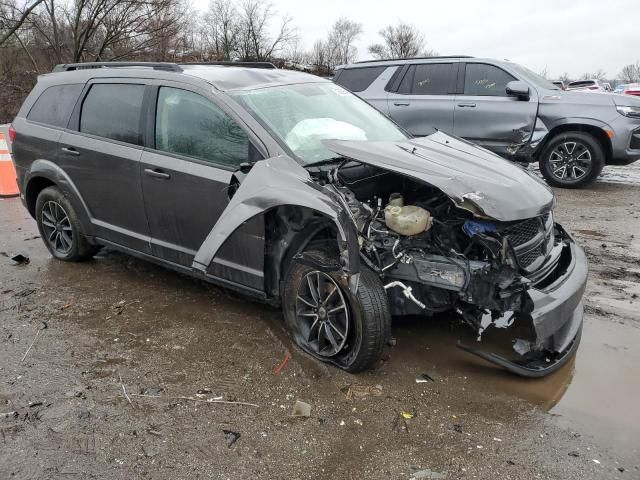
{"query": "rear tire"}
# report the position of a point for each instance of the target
(366, 322)
(59, 227)
(572, 160)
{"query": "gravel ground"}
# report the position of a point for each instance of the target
(117, 385)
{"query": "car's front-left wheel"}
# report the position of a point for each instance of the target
(332, 323)
(59, 227)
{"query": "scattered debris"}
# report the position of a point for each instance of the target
(287, 357)
(428, 474)
(44, 326)
(231, 437)
(357, 421)
(621, 469)
(20, 259)
(596, 461)
(119, 307)
(216, 400)
(574, 454)
(424, 378)
(124, 390)
(496, 439)
(150, 451)
(457, 427)
(360, 390)
(152, 391)
(301, 409)
(407, 415)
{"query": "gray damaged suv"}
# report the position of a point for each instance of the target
(291, 189)
(505, 108)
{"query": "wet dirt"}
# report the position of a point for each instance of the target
(101, 393)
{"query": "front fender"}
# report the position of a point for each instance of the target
(275, 182)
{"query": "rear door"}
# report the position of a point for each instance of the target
(486, 115)
(100, 151)
(424, 99)
(193, 151)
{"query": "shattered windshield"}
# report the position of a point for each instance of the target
(303, 115)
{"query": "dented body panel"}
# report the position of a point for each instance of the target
(475, 179)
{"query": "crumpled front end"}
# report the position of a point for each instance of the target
(433, 253)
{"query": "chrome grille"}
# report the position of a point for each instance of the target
(523, 232)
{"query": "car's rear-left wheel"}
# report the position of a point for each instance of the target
(59, 227)
(330, 322)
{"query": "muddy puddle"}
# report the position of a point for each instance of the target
(595, 394)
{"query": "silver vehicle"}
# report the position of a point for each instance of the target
(505, 108)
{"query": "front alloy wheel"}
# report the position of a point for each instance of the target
(570, 161)
(322, 314)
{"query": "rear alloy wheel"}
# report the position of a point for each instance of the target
(572, 160)
(330, 322)
(59, 227)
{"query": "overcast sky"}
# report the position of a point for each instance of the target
(574, 36)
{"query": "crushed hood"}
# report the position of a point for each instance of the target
(474, 178)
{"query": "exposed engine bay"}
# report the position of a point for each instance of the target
(434, 256)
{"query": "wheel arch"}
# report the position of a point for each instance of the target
(44, 174)
(598, 131)
(290, 230)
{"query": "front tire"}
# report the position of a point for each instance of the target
(59, 227)
(329, 322)
(572, 160)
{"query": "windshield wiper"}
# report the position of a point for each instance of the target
(326, 161)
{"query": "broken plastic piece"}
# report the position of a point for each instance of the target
(231, 437)
(407, 415)
(473, 227)
(20, 259)
(301, 409)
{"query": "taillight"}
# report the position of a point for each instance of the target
(593, 87)
(12, 133)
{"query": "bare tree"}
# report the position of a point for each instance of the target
(255, 39)
(400, 41)
(564, 77)
(342, 37)
(631, 73)
(599, 74)
(544, 73)
(222, 29)
(9, 26)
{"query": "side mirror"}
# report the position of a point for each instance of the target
(518, 89)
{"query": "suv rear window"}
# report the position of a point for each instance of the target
(54, 105)
(358, 79)
(113, 111)
(582, 83)
(428, 79)
(482, 79)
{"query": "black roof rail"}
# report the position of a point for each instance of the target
(166, 66)
(414, 58)
(227, 63)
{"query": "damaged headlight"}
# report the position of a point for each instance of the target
(442, 273)
(628, 111)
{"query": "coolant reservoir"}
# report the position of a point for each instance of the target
(407, 220)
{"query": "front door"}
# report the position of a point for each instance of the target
(101, 151)
(424, 100)
(186, 177)
(486, 115)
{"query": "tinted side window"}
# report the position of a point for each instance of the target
(428, 79)
(358, 79)
(482, 79)
(54, 105)
(113, 111)
(190, 124)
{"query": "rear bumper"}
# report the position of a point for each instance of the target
(556, 318)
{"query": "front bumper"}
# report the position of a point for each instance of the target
(556, 318)
(625, 144)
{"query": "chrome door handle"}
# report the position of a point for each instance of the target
(70, 151)
(157, 173)
(401, 104)
(468, 105)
